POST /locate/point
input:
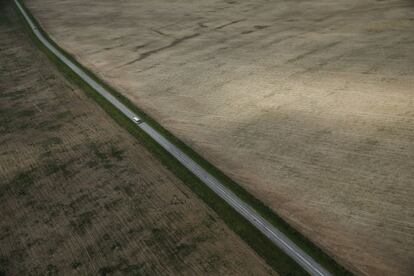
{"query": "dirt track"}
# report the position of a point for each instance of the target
(80, 195)
(307, 104)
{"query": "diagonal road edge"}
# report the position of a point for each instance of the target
(266, 228)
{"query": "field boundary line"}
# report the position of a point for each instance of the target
(277, 236)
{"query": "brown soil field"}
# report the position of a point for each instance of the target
(309, 105)
(79, 195)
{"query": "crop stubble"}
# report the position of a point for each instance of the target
(79, 194)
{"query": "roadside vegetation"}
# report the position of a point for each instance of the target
(273, 255)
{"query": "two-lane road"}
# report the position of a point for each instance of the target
(278, 238)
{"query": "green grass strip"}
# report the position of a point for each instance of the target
(277, 259)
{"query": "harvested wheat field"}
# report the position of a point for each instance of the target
(309, 105)
(79, 195)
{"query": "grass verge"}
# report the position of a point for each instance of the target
(279, 261)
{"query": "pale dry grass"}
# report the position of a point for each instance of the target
(307, 104)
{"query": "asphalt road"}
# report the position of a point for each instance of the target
(278, 238)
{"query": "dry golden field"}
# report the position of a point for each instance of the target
(309, 105)
(79, 195)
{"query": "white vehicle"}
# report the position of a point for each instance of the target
(136, 120)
